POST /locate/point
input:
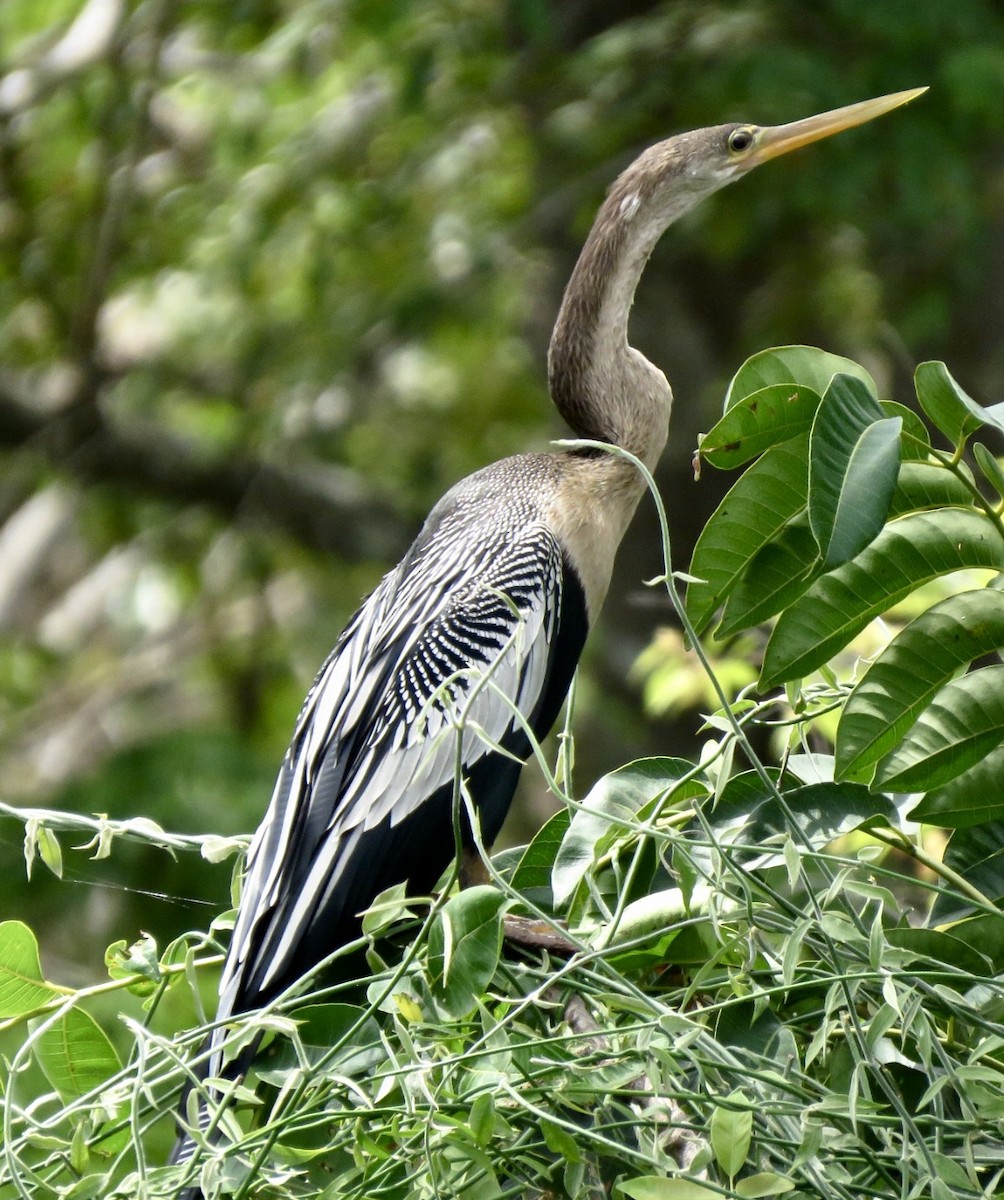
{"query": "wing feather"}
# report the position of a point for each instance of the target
(375, 737)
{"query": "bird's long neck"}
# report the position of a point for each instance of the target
(604, 389)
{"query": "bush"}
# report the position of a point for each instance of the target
(775, 981)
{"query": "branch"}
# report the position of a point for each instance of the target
(323, 507)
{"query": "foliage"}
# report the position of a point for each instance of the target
(761, 993)
(273, 276)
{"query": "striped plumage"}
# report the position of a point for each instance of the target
(489, 609)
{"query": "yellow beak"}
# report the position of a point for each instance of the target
(780, 139)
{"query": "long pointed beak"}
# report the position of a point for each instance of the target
(780, 139)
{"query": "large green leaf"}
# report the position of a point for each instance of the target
(973, 798)
(962, 724)
(977, 854)
(757, 507)
(608, 810)
(465, 943)
(853, 464)
(749, 818)
(731, 1132)
(955, 413)
(990, 466)
(781, 570)
(776, 576)
(805, 365)
(908, 673)
(656, 1187)
(923, 485)
(75, 1054)
(763, 419)
(907, 553)
(22, 988)
(915, 441)
(533, 871)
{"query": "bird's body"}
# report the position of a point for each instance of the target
(473, 638)
(366, 794)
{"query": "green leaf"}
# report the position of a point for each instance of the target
(760, 420)
(748, 815)
(804, 365)
(388, 907)
(907, 553)
(138, 962)
(757, 507)
(977, 854)
(927, 485)
(49, 850)
(75, 1054)
(465, 944)
(962, 724)
(611, 806)
(915, 441)
(732, 1132)
(984, 933)
(853, 465)
(533, 871)
(937, 946)
(991, 467)
(655, 1187)
(956, 414)
(777, 575)
(905, 677)
(766, 1183)
(972, 798)
(22, 988)
(559, 1141)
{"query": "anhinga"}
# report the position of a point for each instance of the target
(504, 580)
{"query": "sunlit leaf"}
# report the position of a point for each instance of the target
(75, 1054)
(611, 807)
(655, 1187)
(764, 1183)
(465, 943)
(955, 413)
(732, 1132)
(805, 365)
(22, 988)
(758, 421)
(908, 552)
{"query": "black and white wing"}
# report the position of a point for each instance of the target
(365, 795)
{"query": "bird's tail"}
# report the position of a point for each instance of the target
(208, 1063)
(186, 1146)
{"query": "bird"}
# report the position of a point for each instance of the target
(468, 646)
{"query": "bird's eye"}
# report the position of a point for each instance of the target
(741, 139)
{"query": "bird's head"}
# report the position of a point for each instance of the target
(671, 176)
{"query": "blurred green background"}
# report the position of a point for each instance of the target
(274, 275)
